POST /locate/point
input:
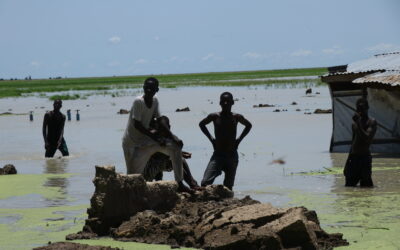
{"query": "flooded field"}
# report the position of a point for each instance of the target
(48, 197)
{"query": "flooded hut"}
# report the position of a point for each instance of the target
(378, 79)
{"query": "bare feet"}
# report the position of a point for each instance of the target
(182, 188)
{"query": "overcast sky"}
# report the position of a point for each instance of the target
(76, 38)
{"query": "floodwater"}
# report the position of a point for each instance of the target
(310, 175)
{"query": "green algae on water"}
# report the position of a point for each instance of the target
(25, 184)
(368, 218)
(37, 226)
(126, 245)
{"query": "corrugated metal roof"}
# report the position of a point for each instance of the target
(391, 78)
(389, 61)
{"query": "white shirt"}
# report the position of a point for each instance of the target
(140, 112)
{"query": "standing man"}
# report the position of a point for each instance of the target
(225, 157)
(140, 143)
(359, 163)
(53, 131)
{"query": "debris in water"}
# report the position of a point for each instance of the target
(186, 109)
(263, 105)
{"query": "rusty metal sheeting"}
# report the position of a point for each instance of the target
(389, 61)
(391, 78)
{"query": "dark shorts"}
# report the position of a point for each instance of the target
(221, 162)
(53, 148)
(358, 169)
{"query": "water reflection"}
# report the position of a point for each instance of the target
(57, 166)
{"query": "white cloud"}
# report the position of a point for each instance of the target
(173, 59)
(301, 52)
(335, 50)
(384, 47)
(156, 38)
(252, 55)
(211, 56)
(35, 64)
(141, 61)
(113, 64)
(114, 39)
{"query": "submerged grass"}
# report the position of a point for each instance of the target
(18, 88)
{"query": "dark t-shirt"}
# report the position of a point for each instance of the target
(55, 125)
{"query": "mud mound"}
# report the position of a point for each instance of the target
(8, 169)
(129, 209)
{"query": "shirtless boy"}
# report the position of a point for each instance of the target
(225, 157)
(359, 163)
(53, 131)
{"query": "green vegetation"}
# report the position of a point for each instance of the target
(16, 88)
(65, 97)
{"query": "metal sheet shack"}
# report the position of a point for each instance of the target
(378, 79)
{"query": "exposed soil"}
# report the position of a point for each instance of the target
(129, 209)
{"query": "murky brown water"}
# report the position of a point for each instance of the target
(301, 140)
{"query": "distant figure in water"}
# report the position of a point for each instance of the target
(53, 131)
(225, 157)
(359, 163)
(140, 143)
(160, 162)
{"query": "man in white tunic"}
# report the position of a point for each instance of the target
(140, 143)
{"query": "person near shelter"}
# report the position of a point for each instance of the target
(139, 143)
(53, 131)
(358, 167)
(225, 157)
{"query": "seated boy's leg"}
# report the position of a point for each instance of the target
(230, 167)
(187, 175)
(212, 171)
